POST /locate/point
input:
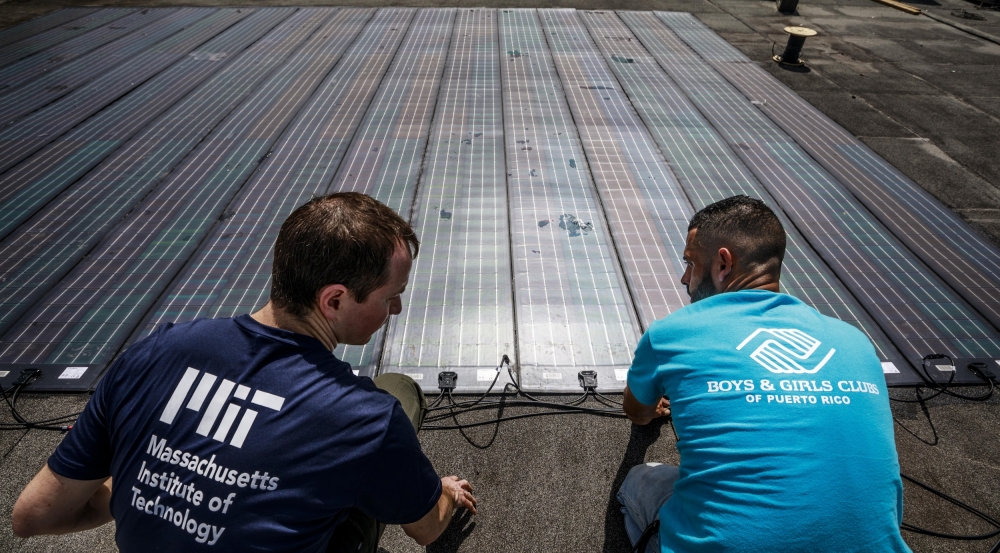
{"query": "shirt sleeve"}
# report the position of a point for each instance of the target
(401, 485)
(85, 452)
(642, 381)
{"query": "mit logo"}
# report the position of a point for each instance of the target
(783, 352)
(222, 394)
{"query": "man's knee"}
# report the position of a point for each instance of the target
(409, 394)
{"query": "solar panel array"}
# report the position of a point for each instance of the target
(549, 161)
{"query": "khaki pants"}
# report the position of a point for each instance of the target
(360, 533)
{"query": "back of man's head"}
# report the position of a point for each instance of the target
(745, 226)
(345, 238)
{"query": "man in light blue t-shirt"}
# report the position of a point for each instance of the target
(782, 414)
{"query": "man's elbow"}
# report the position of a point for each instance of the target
(23, 524)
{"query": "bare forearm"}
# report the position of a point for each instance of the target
(52, 504)
(637, 412)
(430, 528)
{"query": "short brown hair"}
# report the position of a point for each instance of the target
(345, 238)
(745, 225)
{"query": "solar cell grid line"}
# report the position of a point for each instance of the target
(38, 64)
(164, 45)
(645, 207)
(43, 23)
(44, 249)
(915, 308)
(709, 171)
(20, 101)
(85, 319)
(46, 39)
(386, 154)
(574, 311)
(963, 258)
(34, 182)
(459, 316)
(231, 273)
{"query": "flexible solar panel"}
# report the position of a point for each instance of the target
(966, 261)
(45, 248)
(41, 24)
(45, 39)
(709, 171)
(32, 184)
(231, 274)
(573, 309)
(387, 151)
(459, 314)
(84, 320)
(150, 54)
(45, 61)
(918, 311)
(646, 208)
(549, 161)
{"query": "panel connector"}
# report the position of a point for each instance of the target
(447, 380)
(27, 377)
(982, 371)
(588, 379)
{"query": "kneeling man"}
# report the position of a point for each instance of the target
(247, 434)
(782, 414)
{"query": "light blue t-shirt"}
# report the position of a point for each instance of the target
(785, 434)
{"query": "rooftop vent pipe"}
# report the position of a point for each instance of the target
(796, 38)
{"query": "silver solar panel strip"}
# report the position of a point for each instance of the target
(46, 39)
(144, 252)
(709, 171)
(645, 206)
(917, 311)
(231, 274)
(167, 44)
(459, 315)
(46, 247)
(574, 311)
(963, 258)
(45, 61)
(387, 152)
(44, 23)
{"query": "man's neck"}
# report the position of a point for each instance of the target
(312, 324)
(759, 281)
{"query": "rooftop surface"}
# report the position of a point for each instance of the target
(548, 484)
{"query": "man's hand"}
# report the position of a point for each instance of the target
(54, 504)
(455, 493)
(461, 491)
(643, 414)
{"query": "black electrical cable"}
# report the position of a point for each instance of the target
(24, 424)
(968, 508)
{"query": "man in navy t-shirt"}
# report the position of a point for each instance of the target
(247, 434)
(782, 414)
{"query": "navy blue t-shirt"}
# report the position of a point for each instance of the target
(229, 434)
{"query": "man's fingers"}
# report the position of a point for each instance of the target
(465, 485)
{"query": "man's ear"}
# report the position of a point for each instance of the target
(331, 299)
(724, 264)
